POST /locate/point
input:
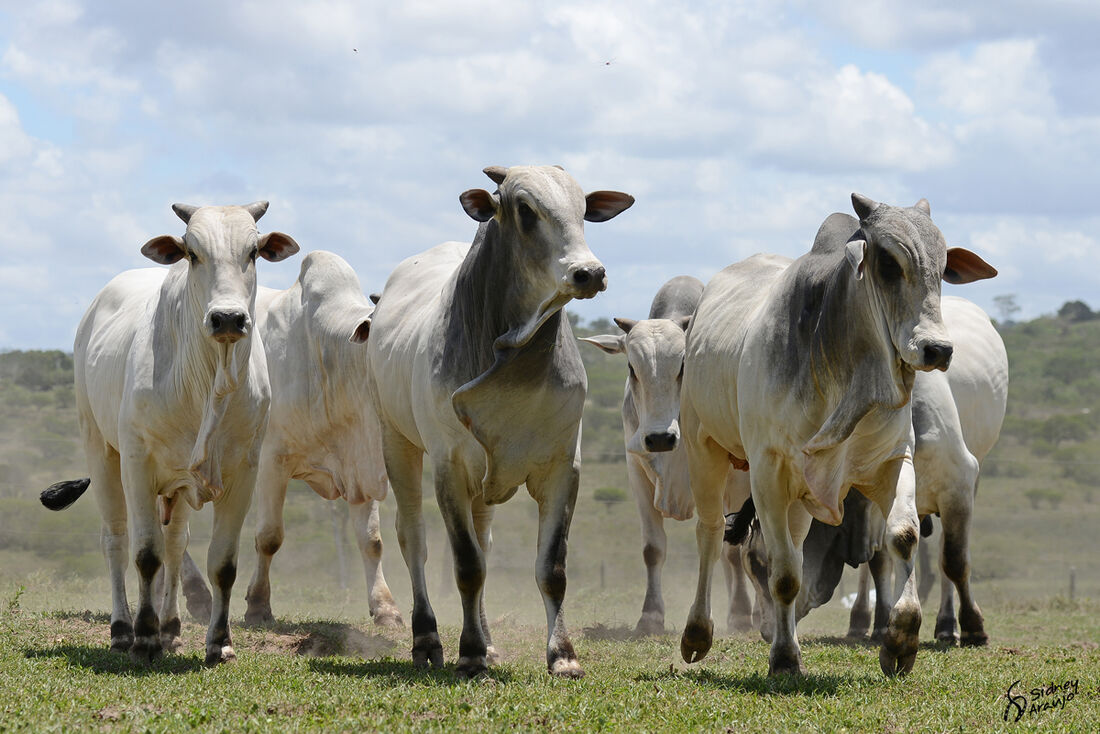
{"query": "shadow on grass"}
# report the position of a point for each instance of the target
(866, 643)
(101, 660)
(811, 684)
(404, 671)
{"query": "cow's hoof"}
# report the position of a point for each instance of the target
(739, 623)
(388, 616)
(428, 653)
(492, 657)
(145, 650)
(878, 634)
(649, 625)
(786, 665)
(978, 638)
(696, 641)
(893, 665)
(170, 643)
(259, 616)
(856, 634)
(858, 624)
(566, 668)
(471, 666)
(218, 654)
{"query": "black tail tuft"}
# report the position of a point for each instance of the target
(737, 523)
(926, 526)
(61, 495)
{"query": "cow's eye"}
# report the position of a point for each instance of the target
(527, 216)
(252, 255)
(888, 268)
(193, 258)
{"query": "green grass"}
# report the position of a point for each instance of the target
(321, 675)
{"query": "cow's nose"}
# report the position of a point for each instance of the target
(228, 326)
(938, 356)
(657, 442)
(590, 278)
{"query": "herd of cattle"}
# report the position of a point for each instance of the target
(765, 396)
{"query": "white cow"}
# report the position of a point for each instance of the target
(172, 396)
(475, 365)
(655, 459)
(957, 418)
(322, 427)
(803, 371)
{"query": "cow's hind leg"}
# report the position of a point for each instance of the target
(176, 536)
(881, 567)
(859, 620)
(754, 557)
(483, 520)
(221, 563)
(106, 485)
(654, 542)
(271, 484)
(956, 513)
(364, 518)
(739, 612)
(708, 464)
(556, 494)
(404, 465)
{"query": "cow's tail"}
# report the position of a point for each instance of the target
(737, 523)
(61, 495)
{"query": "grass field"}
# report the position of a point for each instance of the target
(324, 667)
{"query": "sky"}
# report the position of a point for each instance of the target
(737, 125)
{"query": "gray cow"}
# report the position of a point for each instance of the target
(475, 365)
(655, 459)
(957, 419)
(803, 371)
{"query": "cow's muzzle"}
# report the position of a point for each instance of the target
(586, 280)
(936, 356)
(658, 442)
(228, 326)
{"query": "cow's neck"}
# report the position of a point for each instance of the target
(490, 301)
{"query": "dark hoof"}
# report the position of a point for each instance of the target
(947, 638)
(146, 650)
(471, 667)
(258, 617)
(786, 666)
(649, 625)
(857, 634)
(696, 641)
(388, 617)
(218, 654)
(566, 668)
(893, 665)
(975, 639)
(428, 654)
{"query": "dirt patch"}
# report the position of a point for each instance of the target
(323, 640)
(603, 632)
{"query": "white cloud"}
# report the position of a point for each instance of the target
(998, 78)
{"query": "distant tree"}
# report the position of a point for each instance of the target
(602, 326)
(1075, 311)
(1006, 306)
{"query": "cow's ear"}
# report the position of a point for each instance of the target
(863, 206)
(625, 324)
(276, 246)
(963, 266)
(610, 343)
(165, 249)
(924, 206)
(375, 298)
(479, 204)
(684, 322)
(599, 206)
(854, 252)
(362, 331)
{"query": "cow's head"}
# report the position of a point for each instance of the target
(903, 256)
(542, 210)
(654, 350)
(220, 247)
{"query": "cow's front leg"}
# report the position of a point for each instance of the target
(556, 494)
(271, 484)
(383, 609)
(483, 521)
(708, 465)
(654, 542)
(404, 465)
(900, 643)
(221, 564)
(147, 542)
(881, 567)
(754, 557)
(739, 612)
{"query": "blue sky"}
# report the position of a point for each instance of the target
(738, 126)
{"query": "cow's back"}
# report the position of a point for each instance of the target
(104, 341)
(978, 374)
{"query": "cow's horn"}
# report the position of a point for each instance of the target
(496, 173)
(863, 206)
(256, 209)
(924, 206)
(184, 211)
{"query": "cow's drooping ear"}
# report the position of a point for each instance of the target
(603, 205)
(684, 323)
(257, 209)
(362, 331)
(963, 266)
(610, 343)
(184, 211)
(375, 298)
(496, 173)
(479, 204)
(625, 324)
(276, 246)
(863, 206)
(165, 249)
(924, 206)
(854, 252)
